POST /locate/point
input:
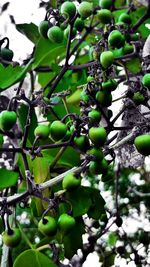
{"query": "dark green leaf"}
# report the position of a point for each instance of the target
(33, 258)
(30, 31)
(134, 65)
(112, 239)
(7, 178)
(97, 207)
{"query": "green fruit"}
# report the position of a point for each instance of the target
(90, 79)
(6, 54)
(43, 28)
(84, 97)
(97, 135)
(97, 153)
(146, 80)
(85, 9)
(47, 226)
(12, 239)
(67, 31)
(42, 131)
(68, 10)
(55, 34)
(7, 120)
(142, 144)
(138, 98)
(70, 182)
(79, 24)
(104, 98)
(82, 142)
(105, 16)
(116, 39)
(94, 115)
(67, 136)
(109, 85)
(128, 49)
(125, 18)
(96, 167)
(105, 4)
(66, 223)
(106, 59)
(58, 130)
(118, 52)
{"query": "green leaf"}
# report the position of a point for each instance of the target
(30, 31)
(112, 239)
(133, 65)
(7, 178)
(97, 207)
(33, 258)
(136, 15)
(11, 75)
(73, 241)
(80, 200)
(40, 169)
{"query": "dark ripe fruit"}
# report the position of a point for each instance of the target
(125, 18)
(146, 80)
(12, 239)
(104, 98)
(106, 59)
(105, 4)
(82, 142)
(142, 144)
(79, 24)
(47, 226)
(119, 221)
(116, 39)
(58, 130)
(68, 10)
(138, 98)
(67, 31)
(97, 153)
(7, 120)
(43, 28)
(109, 113)
(55, 34)
(6, 54)
(97, 135)
(109, 85)
(85, 9)
(66, 223)
(42, 131)
(105, 16)
(128, 49)
(94, 115)
(70, 182)
(96, 167)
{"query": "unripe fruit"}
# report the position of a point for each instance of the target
(12, 239)
(106, 59)
(58, 130)
(128, 49)
(125, 18)
(70, 182)
(84, 97)
(42, 131)
(66, 223)
(68, 10)
(105, 4)
(138, 98)
(94, 115)
(6, 54)
(105, 16)
(85, 9)
(104, 98)
(43, 28)
(47, 226)
(97, 135)
(97, 153)
(67, 31)
(7, 120)
(146, 80)
(116, 39)
(142, 144)
(55, 34)
(79, 24)
(96, 167)
(90, 79)
(109, 85)
(82, 142)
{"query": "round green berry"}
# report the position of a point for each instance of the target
(66, 223)
(43, 28)
(7, 120)
(105, 4)
(70, 182)
(142, 144)
(105, 16)
(13, 238)
(55, 34)
(47, 226)
(79, 24)
(106, 59)
(85, 9)
(42, 131)
(146, 80)
(97, 135)
(68, 9)
(58, 130)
